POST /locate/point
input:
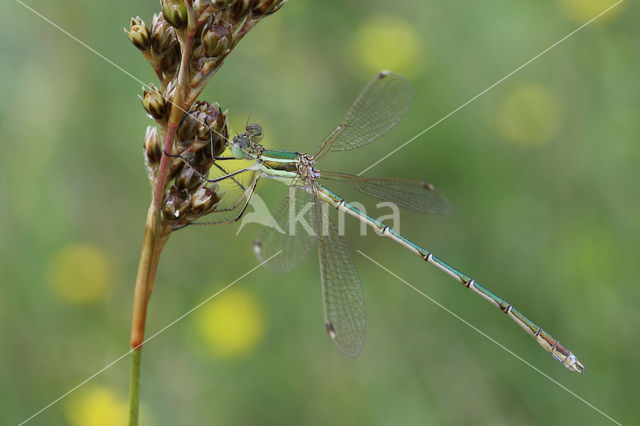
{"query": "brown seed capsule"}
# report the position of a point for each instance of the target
(152, 146)
(139, 34)
(204, 200)
(240, 9)
(175, 204)
(202, 160)
(152, 153)
(221, 4)
(266, 7)
(187, 130)
(215, 39)
(200, 7)
(163, 36)
(188, 179)
(203, 132)
(197, 58)
(169, 93)
(154, 103)
(169, 61)
(175, 12)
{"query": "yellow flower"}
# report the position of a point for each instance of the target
(97, 406)
(231, 324)
(582, 11)
(79, 273)
(527, 116)
(386, 42)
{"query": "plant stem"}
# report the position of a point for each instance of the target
(134, 386)
(156, 233)
(155, 237)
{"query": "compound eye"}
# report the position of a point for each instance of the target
(255, 132)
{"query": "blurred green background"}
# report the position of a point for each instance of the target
(541, 171)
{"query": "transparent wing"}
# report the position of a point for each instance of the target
(380, 106)
(290, 229)
(409, 194)
(341, 289)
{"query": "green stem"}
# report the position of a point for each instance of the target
(134, 386)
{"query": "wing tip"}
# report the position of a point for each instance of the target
(351, 352)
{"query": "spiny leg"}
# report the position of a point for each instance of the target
(248, 195)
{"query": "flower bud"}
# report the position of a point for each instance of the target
(154, 103)
(139, 34)
(215, 39)
(163, 36)
(175, 12)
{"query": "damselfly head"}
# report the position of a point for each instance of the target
(254, 131)
(247, 145)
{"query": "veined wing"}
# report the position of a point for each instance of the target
(341, 289)
(290, 231)
(380, 106)
(409, 194)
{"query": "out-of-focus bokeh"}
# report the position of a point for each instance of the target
(542, 171)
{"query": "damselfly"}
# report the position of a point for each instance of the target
(378, 108)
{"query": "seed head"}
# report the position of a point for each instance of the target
(139, 34)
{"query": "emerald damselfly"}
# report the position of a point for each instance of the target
(378, 108)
